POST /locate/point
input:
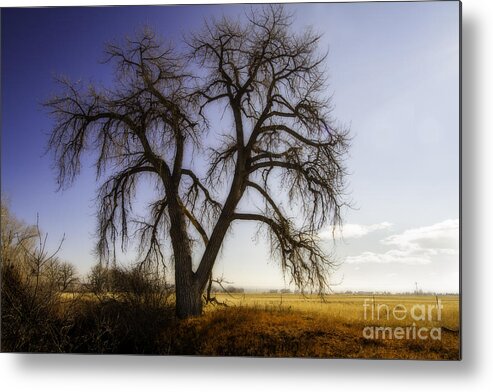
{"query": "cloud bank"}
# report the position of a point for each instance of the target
(416, 246)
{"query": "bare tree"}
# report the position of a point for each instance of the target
(67, 276)
(282, 137)
(15, 236)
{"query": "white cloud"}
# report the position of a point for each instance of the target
(352, 230)
(440, 236)
(416, 246)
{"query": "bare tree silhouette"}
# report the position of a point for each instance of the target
(272, 82)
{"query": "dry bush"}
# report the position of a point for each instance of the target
(139, 286)
(125, 312)
(34, 319)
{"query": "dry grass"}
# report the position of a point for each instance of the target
(262, 325)
(251, 325)
(350, 308)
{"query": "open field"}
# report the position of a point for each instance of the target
(351, 308)
(266, 325)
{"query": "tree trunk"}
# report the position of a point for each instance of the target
(215, 241)
(187, 291)
(188, 295)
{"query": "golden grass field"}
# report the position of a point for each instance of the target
(349, 308)
(294, 325)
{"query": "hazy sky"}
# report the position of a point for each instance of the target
(394, 76)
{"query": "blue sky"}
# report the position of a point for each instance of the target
(394, 76)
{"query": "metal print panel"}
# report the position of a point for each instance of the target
(232, 180)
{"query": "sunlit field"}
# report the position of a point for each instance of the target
(350, 308)
(268, 325)
(333, 327)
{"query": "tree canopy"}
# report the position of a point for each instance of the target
(142, 129)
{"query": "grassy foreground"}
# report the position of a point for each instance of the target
(250, 325)
(265, 325)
